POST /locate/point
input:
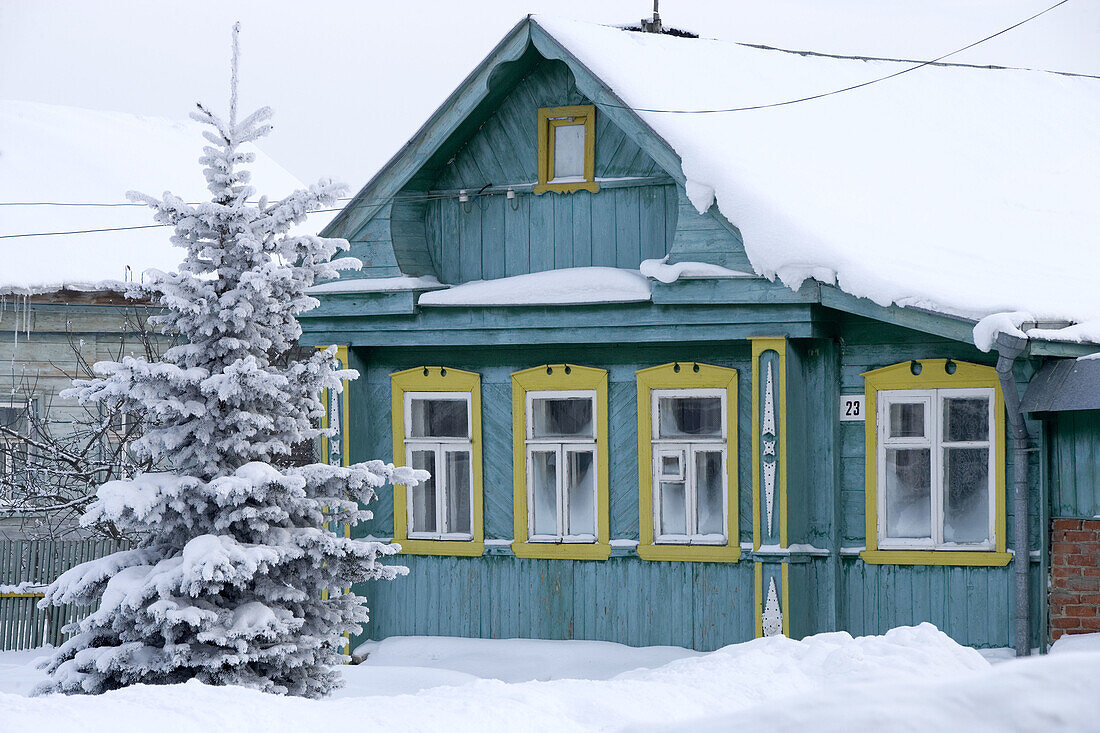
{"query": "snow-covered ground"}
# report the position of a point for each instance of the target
(912, 678)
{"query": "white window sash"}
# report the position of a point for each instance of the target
(560, 446)
(439, 447)
(688, 449)
(934, 400)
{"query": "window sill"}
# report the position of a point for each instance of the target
(566, 187)
(690, 553)
(976, 558)
(458, 548)
(562, 551)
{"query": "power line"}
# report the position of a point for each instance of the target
(363, 204)
(837, 91)
(951, 64)
(430, 197)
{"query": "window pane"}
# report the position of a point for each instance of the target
(458, 491)
(673, 514)
(561, 417)
(701, 416)
(710, 519)
(966, 418)
(568, 151)
(438, 419)
(908, 493)
(672, 465)
(544, 492)
(966, 494)
(14, 418)
(907, 420)
(581, 487)
(423, 494)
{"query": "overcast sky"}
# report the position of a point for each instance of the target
(350, 81)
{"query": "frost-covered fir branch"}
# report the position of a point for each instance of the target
(238, 581)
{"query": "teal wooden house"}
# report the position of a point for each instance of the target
(642, 424)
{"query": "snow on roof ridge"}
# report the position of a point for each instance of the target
(933, 188)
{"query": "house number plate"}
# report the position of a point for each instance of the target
(851, 407)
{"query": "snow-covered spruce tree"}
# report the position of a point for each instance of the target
(227, 587)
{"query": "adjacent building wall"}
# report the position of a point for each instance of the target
(1074, 450)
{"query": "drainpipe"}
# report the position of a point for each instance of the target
(1009, 348)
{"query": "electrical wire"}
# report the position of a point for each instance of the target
(364, 204)
(835, 91)
(429, 197)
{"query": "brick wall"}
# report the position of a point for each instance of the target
(1075, 576)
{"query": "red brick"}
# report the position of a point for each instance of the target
(1079, 535)
(1062, 622)
(1055, 634)
(1084, 561)
(1081, 583)
(1063, 571)
(1065, 548)
(1080, 610)
(1091, 624)
(1066, 524)
(1093, 572)
(1092, 598)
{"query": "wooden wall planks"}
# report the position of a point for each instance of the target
(697, 605)
(1075, 464)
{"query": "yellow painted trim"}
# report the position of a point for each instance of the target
(758, 600)
(666, 376)
(345, 421)
(559, 377)
(586, 113)
(22, 595)
(973, 558)
(761, 344)
(784, 606)
(933, 375)
(437, 379)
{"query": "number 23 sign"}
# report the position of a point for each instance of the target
(851, 407)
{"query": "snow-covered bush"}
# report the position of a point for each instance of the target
(237, 581)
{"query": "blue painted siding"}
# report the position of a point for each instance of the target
(623, 599)
(615, 227)
(1075, 464)
(972, 605)
(698, 605)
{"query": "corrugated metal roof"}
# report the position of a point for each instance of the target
(1066, 384)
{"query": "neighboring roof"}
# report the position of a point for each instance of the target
(1064, 384)
(64, 154)
(961, 190)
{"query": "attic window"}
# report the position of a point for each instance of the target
(567, 149)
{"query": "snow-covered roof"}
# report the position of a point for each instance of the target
(961, 190)
(64, 154)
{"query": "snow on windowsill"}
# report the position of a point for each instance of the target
(570, 286)
(661, 271)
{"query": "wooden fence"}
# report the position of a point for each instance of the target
(29, 566)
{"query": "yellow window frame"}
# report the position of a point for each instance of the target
(437, 379)
(685, 375)
(564, 378)
(933, 374)
(552, 117)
